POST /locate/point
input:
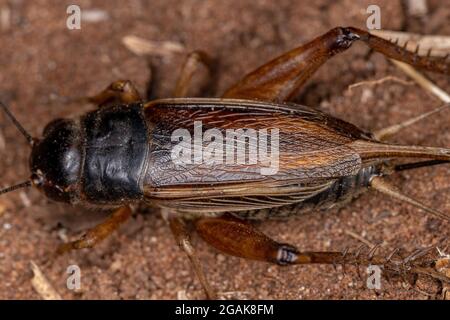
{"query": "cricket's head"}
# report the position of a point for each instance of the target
(54, 160)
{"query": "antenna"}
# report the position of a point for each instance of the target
(27, 136)
(15, 187)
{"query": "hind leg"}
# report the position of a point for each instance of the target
(280, 79)
(238, 238)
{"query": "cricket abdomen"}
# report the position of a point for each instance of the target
(338, 193)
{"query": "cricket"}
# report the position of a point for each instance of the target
(119, 154)
(260, 150)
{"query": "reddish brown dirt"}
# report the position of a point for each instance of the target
(41, 62)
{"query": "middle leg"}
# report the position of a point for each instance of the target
(194, 61)
(182, 237)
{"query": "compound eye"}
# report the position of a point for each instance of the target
(37, 180)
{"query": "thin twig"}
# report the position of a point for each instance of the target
(360, 238)
(142, 46)
(379, 81)
(423, 81)
(42, 285)
(417, 8)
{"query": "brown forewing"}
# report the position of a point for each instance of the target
(314, 150)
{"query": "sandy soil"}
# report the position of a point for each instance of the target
(42, 63)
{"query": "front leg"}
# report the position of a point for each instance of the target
(121, 91)
(99, 232)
